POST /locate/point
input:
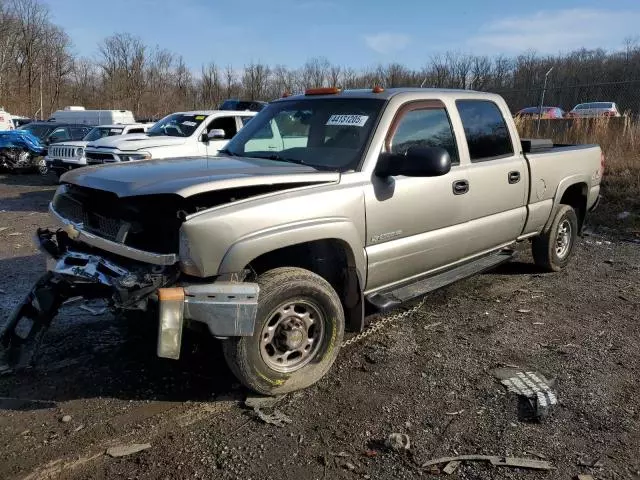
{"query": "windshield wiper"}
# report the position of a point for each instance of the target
(279, 158)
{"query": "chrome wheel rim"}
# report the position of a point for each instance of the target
(292, 335)
(42, 167)
(563, 239)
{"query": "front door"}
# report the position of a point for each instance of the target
(415, 225)
(230, 127)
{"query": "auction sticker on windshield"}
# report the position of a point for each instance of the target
(348, 120)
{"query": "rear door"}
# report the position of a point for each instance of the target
(415, 224)
(498, 177)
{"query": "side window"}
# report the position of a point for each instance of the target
(136, 130)
(486, 131)
(228, 124)
(59, 135)
(245, 120)
(425, 127)
(78, 133)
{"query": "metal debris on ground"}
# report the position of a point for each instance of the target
(496, 461)
(276, 417)
(524, 310)
(124, 450)
(536, 398)
(451, 467)
(398, 442)
(66, 419)
(585, 477)
(597, 463)
(262, 401)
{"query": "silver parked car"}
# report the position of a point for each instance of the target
(595, 109)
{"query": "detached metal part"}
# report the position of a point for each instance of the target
(227, 308)
(22, 334)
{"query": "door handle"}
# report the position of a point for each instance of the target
(460, 187)
(514, 177)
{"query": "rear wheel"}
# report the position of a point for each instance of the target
(552, 250)
(297, 336)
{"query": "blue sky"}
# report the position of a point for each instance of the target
(354, 33)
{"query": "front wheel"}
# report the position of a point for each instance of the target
(42, 166)
(297, 336)
(552, 250)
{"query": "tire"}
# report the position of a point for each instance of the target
(41, 166)
(553, 249)
(287, 297)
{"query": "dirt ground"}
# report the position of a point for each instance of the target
(427, 376)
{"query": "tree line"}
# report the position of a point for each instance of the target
(37, 63)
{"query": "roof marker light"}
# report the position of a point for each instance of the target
(322, 91)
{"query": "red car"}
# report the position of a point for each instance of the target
(547, 112)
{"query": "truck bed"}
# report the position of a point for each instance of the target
(553, 167)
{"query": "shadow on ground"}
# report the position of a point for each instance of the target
(37, 201)
(10, 178)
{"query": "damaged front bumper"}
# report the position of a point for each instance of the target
(76, 269)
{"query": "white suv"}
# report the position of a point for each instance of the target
(182, 134)
(68, 155)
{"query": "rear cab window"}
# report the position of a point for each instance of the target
(485, 129)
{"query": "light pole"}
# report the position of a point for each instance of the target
(544, 90)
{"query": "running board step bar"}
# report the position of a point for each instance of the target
(389, 299)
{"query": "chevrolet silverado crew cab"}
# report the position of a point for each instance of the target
(323, 204)
(65, 156)
(183, 134)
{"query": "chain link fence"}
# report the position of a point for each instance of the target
(625, 93)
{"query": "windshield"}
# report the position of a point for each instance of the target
(585, 106)
(40, 131)
(100, 132)
(176, 125)
(327, 134)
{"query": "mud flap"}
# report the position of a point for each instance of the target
(21, 336)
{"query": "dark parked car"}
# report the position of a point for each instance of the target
(53, 132)
(547, 112)
(251, 105)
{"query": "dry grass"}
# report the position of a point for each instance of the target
(619, 138)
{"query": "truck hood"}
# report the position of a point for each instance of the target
(135, 141)
(191, 176)
(79, 143)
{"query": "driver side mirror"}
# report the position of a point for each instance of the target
(216, 134)
(417, 162)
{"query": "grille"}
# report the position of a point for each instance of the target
(73, 210)
(62, 152)
(97, 157)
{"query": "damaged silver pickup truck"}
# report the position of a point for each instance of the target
(325, 206)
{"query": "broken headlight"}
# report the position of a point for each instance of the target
(187, 263)
(131, 157)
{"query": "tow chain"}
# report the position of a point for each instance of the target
(386, 320)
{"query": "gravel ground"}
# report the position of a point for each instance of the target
(99, 384)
